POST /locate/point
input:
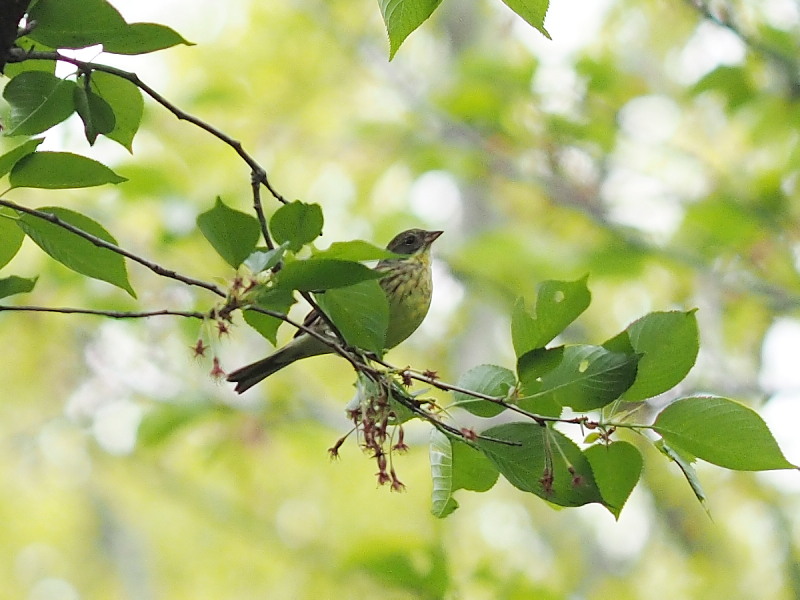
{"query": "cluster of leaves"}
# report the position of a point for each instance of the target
(353, 300)
(108, 105)
(402, 17)
(602, 385)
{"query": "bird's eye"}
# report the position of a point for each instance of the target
(410, 239)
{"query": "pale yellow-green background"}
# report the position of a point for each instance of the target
(126, 472)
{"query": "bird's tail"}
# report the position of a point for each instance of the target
(251, 374)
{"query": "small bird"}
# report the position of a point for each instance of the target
(408, 287)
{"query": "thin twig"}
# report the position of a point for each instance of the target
(114, 314)
(101, 243)
(327, 340)
(322, 315)
(259, 174)
(262, 220)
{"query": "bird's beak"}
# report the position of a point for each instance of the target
(431, 236)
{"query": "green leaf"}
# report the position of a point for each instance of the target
(454, 466)
(323, 274)
(262, 260)
(125, 100)
(96, 114)
(684, 463)
(11, 236)
(533, 11)
(404, 16)
(75, 252)
(60, 170)
(15, 285)
(722, 432)
(141, 38)
(278, 300)
(38, 101)
(583, 377)
(558, 303)
(541, 460)
(485, 379)
(10, 158)
(360, 313)
(616, 468)
(441, 458)
(356, 250)
(74, 23)
(232, 233)
(668, 345)
(28, 45)
(297, 223)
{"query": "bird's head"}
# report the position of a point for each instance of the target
(413, 241)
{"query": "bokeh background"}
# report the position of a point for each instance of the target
(652, 144)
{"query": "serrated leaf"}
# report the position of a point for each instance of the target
(685, 465)
(541, 460)
(141, 38)
(490, 380)
(441, 458)
(533, 11)
(10, 158)
(668, 344)
(60, 170)
(583, 377)
(278, 300)
(722, 432)
(355, 250)
(360, 313)
(404, 16)
(454, 466)
(323, 274)
(616, 468)
(11, 236)
(558, 303)
(126, 102)
(15, 285)
(232, 233)
(297, 223)
(38, 101)
(74, 23)
(75, 252)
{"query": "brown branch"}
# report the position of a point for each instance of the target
(259, 174)
(114, 314)
(257, 206)
(101, 243)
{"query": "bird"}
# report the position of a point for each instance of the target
(408, 286)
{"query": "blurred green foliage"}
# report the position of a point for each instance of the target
(624, 148)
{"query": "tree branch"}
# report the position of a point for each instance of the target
(258, 172)
(101, 243)
(114, 314)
